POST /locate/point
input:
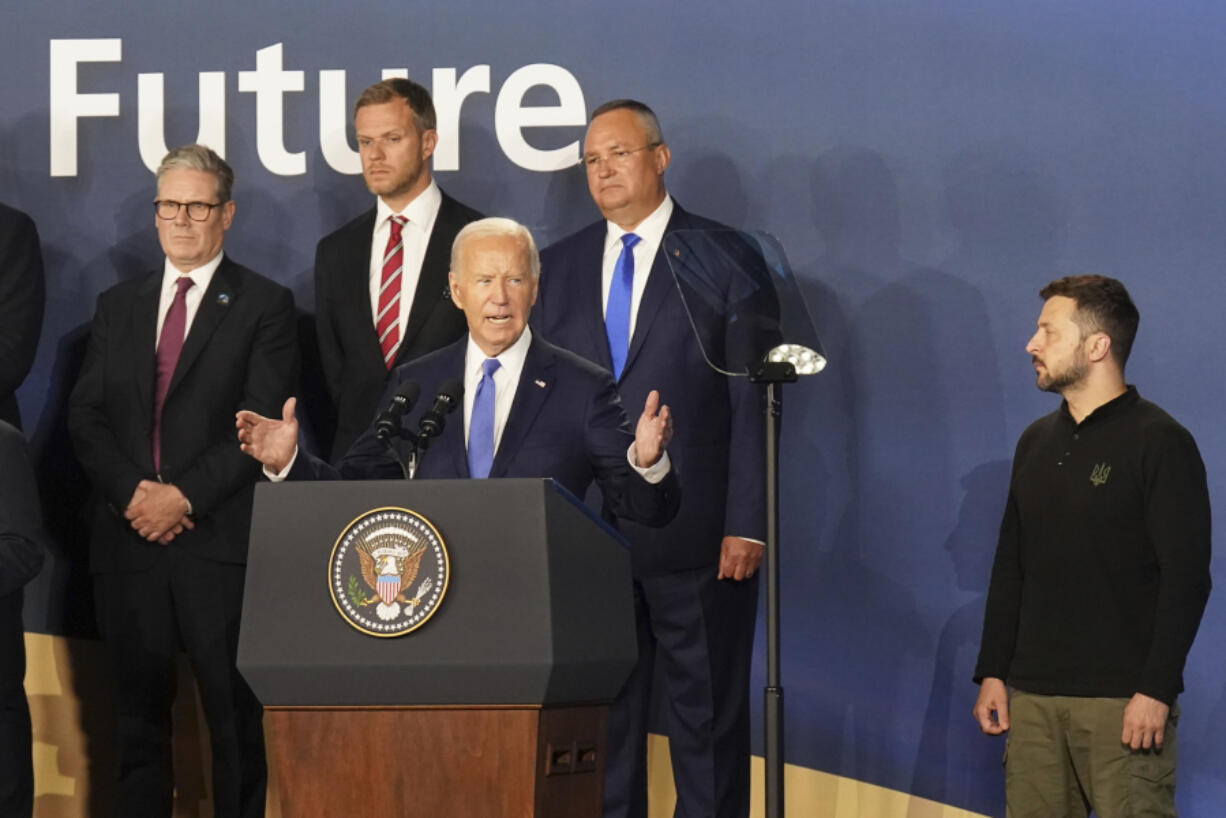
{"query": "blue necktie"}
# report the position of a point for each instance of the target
(617, 313)
(481, 424)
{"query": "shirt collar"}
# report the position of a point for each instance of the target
(650, 230)
(201, 276)
(511, 359)
(420, 212)
(1109, 409)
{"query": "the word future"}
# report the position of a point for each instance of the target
(270, 82)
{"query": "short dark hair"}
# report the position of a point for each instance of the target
(414, 94)
(1103, 305)
(651, 123)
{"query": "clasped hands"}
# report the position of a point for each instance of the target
(158, 512)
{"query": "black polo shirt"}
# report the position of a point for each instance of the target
(1102, 567)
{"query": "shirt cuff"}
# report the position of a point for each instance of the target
(652, 474)
(278, 477)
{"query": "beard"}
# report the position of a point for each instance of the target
(1073, 374)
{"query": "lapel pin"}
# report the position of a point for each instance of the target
(223, 299)
(540, 383)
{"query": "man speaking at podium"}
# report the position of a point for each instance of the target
(530, 409)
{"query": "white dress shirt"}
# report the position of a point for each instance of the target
(650, 232)
(201, 276)
(422, 212)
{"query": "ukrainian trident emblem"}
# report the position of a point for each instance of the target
(1100, 474)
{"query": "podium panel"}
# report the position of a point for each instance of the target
(538, 608)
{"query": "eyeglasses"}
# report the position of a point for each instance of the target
(196, 211)
(618, 158)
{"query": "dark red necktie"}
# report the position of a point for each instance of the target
(170, 344)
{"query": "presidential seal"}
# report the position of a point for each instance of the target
(388, 572)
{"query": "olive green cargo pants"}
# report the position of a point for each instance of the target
(1063, 758)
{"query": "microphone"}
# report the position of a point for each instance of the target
(388, 424)
(445, 402)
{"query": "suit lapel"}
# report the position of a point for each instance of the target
(449, 446)
(218, 300)
(660, 285)
(355, 282)
(432, 278)
(453, 436)
(590, 298)
(535, 383)
(144, 340)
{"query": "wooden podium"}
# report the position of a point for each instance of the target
(495, 706)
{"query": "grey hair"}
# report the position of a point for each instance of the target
(202, 158)
(490, 228)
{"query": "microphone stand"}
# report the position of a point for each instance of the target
(407, 467)
(774, 375)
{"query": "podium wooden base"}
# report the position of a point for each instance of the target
(484, 762)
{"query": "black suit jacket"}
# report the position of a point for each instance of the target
(719, 445)
(566, 422)
(21, 529)
(348, 346)
(22, 294)
(241, 352)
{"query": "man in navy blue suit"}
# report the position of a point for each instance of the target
(607, 293)
(530, 408)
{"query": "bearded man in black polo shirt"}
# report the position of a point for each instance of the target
(1100, 579)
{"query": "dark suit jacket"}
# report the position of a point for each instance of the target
(566, 423)
(22, 294)
(348, 346)
(241, 352)
(719, 445)
(21, 527)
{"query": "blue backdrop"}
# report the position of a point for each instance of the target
(928, 166)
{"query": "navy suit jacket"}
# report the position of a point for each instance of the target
(348, 346)
(566, 422)
(719, 446)
(241, 352)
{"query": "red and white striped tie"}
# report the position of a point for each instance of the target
(387, 320)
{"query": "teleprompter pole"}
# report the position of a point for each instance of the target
(774, 375)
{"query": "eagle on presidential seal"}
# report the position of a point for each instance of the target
(388, 565)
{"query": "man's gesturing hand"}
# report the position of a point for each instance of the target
(653, 432)
(272, 442)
